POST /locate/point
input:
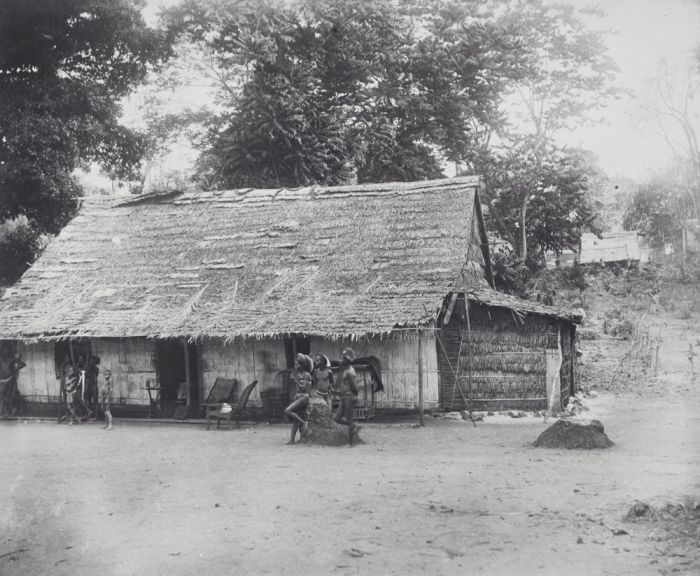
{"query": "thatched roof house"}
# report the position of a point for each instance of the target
(247, 277)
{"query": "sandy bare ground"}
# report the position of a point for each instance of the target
(446, 499)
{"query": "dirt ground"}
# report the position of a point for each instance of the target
(449, 498)
(445, 499)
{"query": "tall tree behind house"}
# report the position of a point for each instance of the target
(64, 67)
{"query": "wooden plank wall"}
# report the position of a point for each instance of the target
(37, 380)
(129, 359)
(508, 367)
(259, 360)
(398, 357)
(567, 373)
(132, 362)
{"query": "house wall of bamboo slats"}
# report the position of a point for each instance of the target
(498, 360)
(260, 360)
(398, 359)
(133, 364)
(131, 361)
(37, 381)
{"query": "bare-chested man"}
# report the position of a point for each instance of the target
(298, 409)
(10, 365)
(346, 388)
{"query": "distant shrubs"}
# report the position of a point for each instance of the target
(617, 324)
(19, 247)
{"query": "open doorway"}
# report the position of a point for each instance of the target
(294, 346)
(175, 358)
(73, 351)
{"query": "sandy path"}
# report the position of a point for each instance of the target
(446, 499)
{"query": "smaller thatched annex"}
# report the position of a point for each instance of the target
(173, 291)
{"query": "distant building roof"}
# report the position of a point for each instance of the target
(612, 247)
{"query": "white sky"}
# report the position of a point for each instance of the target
(645, 32)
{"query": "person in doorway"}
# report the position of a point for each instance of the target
(298, 409)
(70, 384)
(10, 365)
(106, 396)
(91, 395)
(322, 379)
(81, 404)
(347, 390)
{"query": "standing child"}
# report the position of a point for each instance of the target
(322, 378)
(106, 394)
(298, 409)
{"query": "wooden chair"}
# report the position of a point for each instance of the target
(215, 409)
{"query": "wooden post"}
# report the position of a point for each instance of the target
(421, 412)
(469, 356)
(188, 377)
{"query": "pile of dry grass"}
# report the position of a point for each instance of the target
(574, 436)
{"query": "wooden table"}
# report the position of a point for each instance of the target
(153, 403)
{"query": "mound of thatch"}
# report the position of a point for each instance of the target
(574, 436)
(324, 430)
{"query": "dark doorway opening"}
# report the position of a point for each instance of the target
(294, 346)
(73, 350)
(177, 360)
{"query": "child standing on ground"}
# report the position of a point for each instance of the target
(106, 394)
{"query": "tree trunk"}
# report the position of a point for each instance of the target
(523, 219)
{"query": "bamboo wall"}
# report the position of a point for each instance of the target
(504, 367)
(399, 363)
(259, 360)
(262, 360)
(37, 380)
(131, 361)
(568, 365)
(133, 366)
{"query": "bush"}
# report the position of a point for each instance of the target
(617, 324)
(510, 274)
(19, 247)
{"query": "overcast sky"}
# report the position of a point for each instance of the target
(645, 32)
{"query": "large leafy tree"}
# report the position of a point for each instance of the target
(673, 107)
(570, 77)
(335, 90)
(659, 206)
(330, 91)
(556, 191)
(64, 67)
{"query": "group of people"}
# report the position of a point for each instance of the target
(314, 379)
(10, 398)
(79, 390)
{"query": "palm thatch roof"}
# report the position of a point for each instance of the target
(337, 262)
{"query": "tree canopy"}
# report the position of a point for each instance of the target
(333, 91)
(64, 66)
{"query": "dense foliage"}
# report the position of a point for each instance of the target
(335, 91)
(64, 66)
(338, 90)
